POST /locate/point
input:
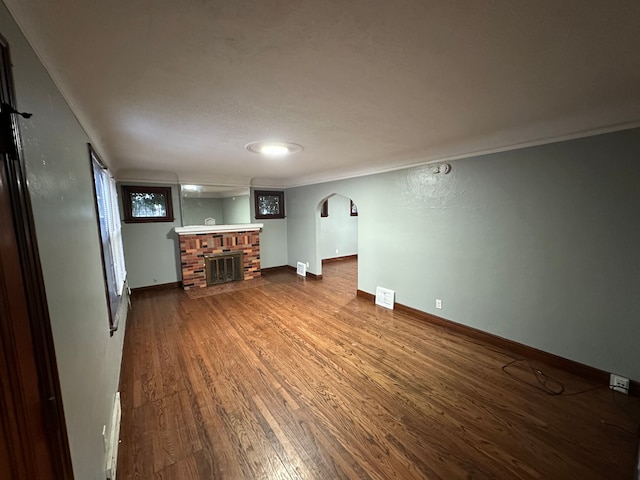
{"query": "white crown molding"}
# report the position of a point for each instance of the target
(163, 177)
(316, 179)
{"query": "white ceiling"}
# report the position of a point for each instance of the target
(363, 85)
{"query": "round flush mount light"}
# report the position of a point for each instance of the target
(274, 149)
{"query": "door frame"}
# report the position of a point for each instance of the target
(32, 413)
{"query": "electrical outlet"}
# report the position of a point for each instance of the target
(438, 303)
(336, 250)
(619, 384)
(307, 264)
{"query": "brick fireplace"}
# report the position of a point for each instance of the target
(198, 242)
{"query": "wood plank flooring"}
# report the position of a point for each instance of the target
(300, 379)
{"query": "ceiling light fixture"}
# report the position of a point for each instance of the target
(274, 149)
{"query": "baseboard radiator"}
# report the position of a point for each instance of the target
(114, 439)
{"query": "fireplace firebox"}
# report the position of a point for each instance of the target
(224, 267)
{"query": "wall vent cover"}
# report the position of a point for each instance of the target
(302, 269)
(385, 297)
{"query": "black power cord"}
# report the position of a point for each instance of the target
(553, 387)
(546, 384)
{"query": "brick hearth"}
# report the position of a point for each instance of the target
(193, 248)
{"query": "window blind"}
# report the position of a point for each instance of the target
(110, 228)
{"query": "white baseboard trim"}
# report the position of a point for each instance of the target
(114, 439)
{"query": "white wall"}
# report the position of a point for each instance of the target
(60, 186)
(538, 245)
(152, 250)
(339, 230)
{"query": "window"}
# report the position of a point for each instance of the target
(146, 204)
(269, 204)
(106, 200)
(324, 211)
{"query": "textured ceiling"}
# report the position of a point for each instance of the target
(364, 85)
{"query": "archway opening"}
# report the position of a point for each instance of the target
(337, 236)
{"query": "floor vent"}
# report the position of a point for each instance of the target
(302, 269)
(385, 297)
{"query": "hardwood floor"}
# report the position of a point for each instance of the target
(299, 379)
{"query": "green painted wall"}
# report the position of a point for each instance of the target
(152, 250)
(538, 245)
(61, 190)
(273, 239)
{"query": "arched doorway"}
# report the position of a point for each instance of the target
(336, 230)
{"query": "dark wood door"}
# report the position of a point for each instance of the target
(33, 441)
(22, 409)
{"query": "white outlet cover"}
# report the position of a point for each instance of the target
(385, 297)
(438, 303)
(619, 383)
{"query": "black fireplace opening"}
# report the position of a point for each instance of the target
(224, 267)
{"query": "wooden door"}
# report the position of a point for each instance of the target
(33, 440)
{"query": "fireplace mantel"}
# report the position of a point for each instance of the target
(198, 229)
